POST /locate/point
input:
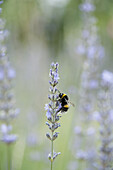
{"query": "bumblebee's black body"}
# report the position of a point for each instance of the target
(64, 102)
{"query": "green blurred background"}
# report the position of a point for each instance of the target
(43, 31)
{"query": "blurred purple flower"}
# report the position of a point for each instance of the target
(7, 106)
(11, 73)
(106, 121)
(78, 130)
(93, 84)
(111, 115)
(1, 74)
(81, 155)
(91, 51)
(87, 7)
(80, 49)
(96, 116)
(9, 138)
(1, 2)
(107, 78)
(5, 129)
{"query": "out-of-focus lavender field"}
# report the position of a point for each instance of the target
(79, 36)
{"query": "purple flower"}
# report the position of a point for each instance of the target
(87, 7)
(7, 107)
(96, 116)
(111, 116)
(78, 130)
(1, 2)
(9, 138)
(107, 78)
(93, 84)
(90, 47)
(52, 109)
(91, 51)
(14, 113)
(5, 129)
(48, 114)
(56, 77)
(81, 155)
(1, 74)
(0, 10)
(11, 73)
(46, 107)
(106, 121)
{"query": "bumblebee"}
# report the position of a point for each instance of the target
(64, 101)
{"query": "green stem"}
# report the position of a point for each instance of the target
(51, 165)
(9, 166)
(52, 153)
(52, 135)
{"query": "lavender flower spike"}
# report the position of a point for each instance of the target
(7, 103)
(106, 120)
(52, 110)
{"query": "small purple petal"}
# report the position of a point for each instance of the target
(48, 114)
(46, 107)
(107, 78)
(11, 73)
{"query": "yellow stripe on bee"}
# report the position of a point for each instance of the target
(63, 96)
(66, 105)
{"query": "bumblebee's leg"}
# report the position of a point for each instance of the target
(57, 103)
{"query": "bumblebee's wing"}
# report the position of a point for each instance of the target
(70, 103)
(65, 100)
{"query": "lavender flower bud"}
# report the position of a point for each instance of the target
(55, 135)
(48, 136)
(56, 154)
(49, 156)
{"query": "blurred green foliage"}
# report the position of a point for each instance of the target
(41, 32)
